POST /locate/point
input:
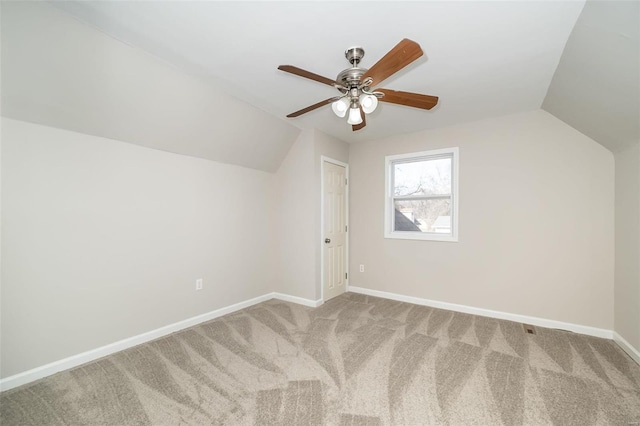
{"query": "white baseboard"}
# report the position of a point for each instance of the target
(91, 355)
(298, 300)
(541, 322)
(626, 346)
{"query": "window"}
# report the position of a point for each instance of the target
(421, 200)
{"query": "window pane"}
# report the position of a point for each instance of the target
(423, 216)
(425, 177)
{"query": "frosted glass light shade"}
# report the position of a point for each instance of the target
(354, 116)
(340, 107)
(369, 103)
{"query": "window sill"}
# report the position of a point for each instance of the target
(421, 236)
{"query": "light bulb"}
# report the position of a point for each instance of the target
(354, 116)
(368, 103)
(340, 107)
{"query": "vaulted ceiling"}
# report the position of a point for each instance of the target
(201, 78)
(482, 59)
(596, 88)
(59, 72)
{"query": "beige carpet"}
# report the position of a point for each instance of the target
(356, 360)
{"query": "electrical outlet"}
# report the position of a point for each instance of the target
(199, 284)
(361, 268)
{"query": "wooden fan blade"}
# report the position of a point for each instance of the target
(312, 107)
(306, 74)
(415, 100)
(356, 127)
(397, 58)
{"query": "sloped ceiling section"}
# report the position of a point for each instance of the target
(60, 72)
(482, 58)
(596, 87)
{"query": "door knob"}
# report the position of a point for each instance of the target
(327, 240)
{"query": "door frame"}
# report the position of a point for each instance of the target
(324, 159)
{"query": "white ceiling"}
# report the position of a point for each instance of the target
(482, 59)
(596, 88)
(60, 72)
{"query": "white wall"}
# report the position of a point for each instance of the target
(536, 222)
(103, 240)
(627, 282)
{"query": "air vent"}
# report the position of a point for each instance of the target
(529, 329)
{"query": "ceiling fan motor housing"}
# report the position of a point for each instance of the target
(351, 77)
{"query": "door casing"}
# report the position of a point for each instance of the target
(321, 237)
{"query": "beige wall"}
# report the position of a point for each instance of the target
(627, 272)
(103, 240)
(536, 222)
(298, 182)
(295, 220)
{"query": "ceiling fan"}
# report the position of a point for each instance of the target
(354, 84)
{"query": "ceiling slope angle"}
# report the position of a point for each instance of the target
(482, 59)
(60, 72)
(596, 87)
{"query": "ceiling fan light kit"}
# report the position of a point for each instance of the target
(354, 116)
(369, 103)
(355, 83)
(340, 107)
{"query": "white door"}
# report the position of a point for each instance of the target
(335, 230)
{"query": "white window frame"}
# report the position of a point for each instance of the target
(390, 160)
